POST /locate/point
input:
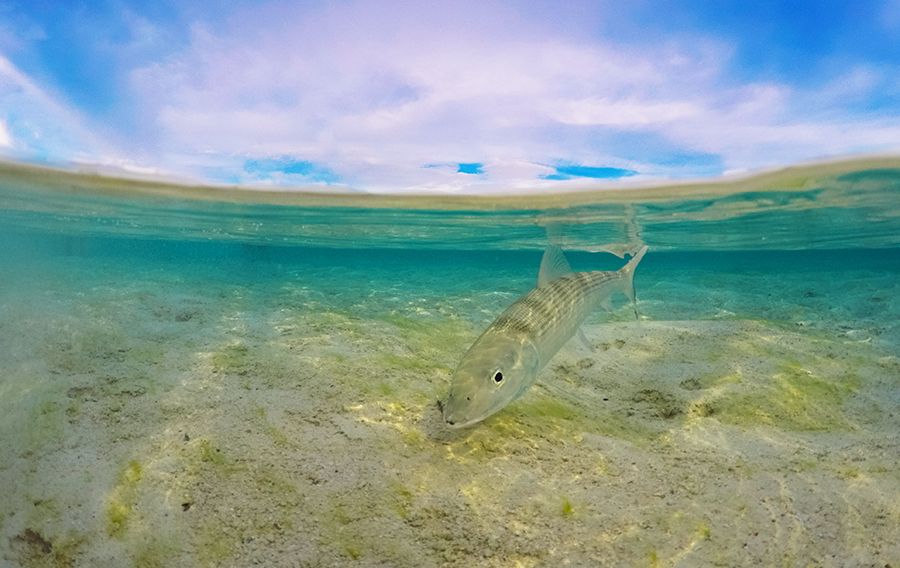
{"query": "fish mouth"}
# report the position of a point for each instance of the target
(455, 424)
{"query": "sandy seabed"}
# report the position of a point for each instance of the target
(165, 423)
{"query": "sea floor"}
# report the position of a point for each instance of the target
(232, 412)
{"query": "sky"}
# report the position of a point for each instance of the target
(482, 96)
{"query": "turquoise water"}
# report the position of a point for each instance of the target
(218, 378)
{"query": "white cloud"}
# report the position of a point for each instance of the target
(767, 125)
(624, 112)
(366, 91)
(5, 138)
(37, 125)
(375, 95)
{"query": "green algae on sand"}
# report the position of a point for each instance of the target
(793, 398)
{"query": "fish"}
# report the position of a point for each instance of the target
(506, 358)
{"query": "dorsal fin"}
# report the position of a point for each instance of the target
(554, 265)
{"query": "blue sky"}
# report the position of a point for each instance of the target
(446, 97)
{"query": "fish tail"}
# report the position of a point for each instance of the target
(627, 273)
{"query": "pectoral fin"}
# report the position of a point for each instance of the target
(583, 340)
(606, 304)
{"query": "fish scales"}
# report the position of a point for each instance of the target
(549, 314)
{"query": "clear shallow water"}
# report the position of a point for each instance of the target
(224, 382)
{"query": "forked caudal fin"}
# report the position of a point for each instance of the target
(627, 272)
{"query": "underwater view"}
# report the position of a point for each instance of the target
(198, 376)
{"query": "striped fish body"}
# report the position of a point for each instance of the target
(505, 360)
(549, 315)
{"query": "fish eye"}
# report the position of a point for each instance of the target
(498, 377)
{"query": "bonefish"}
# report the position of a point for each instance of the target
(505, 360)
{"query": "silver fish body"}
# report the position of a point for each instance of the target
(505, 360)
